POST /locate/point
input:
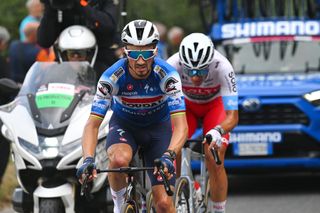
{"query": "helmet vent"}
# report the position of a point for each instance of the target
(128, 32)
(151, 32)
(207, 54)
(195, 44)
(139, 33)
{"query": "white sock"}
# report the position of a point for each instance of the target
(118, 199)
(219, 207)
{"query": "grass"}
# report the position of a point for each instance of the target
(9, 182)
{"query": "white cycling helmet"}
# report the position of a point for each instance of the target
(196, 51)
(77, 38)
(140, 33)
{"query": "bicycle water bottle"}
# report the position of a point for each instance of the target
(143, 206)
(197, 193)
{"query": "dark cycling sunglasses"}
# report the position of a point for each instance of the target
(145, 54)
(79, 53)
(194, 72)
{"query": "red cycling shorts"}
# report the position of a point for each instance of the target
(211, 114)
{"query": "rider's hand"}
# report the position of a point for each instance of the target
(216, 139)
(167, 163)
(83, 170)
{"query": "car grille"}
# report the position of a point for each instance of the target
(273, 114)
(294, 144)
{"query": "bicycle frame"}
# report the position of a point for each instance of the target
(186, 172)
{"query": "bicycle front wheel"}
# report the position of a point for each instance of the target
(128, 208)
(149, 203)
(182, 195)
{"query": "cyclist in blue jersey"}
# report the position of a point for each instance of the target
(146, 95)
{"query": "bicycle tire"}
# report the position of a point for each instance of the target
(128, 208)
(182, 195)
(207, 194)
(149, 203)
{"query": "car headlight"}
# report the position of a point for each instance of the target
(313, 97)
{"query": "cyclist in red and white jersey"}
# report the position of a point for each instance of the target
(209, 86)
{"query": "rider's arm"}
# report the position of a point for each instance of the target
(229, 95)
(90, 135)
(230, 121)
(101, 103)
(180, 132)
(176, 104)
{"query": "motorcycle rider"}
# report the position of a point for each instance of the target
(77, 43)
(208, 83)
(145, 93)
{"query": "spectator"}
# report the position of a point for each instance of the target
(175, 36)
(162, 44)
(99, 16)
(4, 39)
(35, 11)
(23, 54)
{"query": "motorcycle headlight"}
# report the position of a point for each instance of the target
(313, 97)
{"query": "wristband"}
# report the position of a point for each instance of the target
(220, 130)
(172, 154)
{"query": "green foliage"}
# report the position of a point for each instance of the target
(12, 12)
(183, 13)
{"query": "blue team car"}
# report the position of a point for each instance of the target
(277, 63)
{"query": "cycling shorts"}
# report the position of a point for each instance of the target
(211, 114)
(153, 140)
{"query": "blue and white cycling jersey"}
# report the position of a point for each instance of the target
(139, 101)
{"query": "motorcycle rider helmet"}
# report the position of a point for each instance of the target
(77, 43)
(196, 51)
(140, 33)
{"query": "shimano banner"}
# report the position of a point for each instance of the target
(266, 28)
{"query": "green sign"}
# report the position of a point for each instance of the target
(53, 100)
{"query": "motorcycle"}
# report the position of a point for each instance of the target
(44, 124)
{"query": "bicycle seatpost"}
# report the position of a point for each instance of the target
(213, 151)
(166, 184)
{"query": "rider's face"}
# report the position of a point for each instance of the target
(76, 55)
(140, 59)
(197, 80)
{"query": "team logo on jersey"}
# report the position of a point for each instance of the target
(117, 74)
(142, 102)
(129, 87)
(105, 87)
(170, 84)
(200, 93)
(160, 71)
(232, 77)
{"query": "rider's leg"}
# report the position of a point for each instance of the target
(160, 139)
(217, 173)
(119, 156)
(218, 180)
(120, 148)
(163, 202)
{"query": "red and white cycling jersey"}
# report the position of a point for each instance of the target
(220, 81)
(217, 93)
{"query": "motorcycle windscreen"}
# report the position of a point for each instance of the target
(55, 90)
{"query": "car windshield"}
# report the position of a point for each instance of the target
(280, 56)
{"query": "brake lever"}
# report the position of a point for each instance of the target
(213, 151)
(166, 184)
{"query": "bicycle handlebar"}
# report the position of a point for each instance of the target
(88, 171)
(166, 184)
(213, 151)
